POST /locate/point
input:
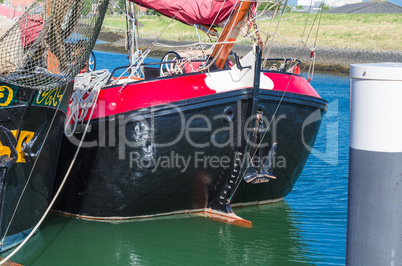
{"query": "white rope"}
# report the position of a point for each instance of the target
(58, 190)
(267, 48)
(118, 7)
(84, 97)
(134, 67)
(310, 73)
(216, 17)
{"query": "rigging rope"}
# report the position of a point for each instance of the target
(215, 18)
(134, 67)
(276, 30)
(142, 56)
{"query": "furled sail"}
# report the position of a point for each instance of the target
(203, 12)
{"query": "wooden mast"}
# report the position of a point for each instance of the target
(229, 34)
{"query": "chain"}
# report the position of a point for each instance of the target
(257, 32)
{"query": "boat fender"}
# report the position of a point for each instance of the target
(296, 69)
(53, 64)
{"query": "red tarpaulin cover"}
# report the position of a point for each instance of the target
(30, 27)
(205, 12)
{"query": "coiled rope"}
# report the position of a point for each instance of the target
(84, 97)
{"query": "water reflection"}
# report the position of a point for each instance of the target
(273, 240)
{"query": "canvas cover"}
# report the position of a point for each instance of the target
(204, 12)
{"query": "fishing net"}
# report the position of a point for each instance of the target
(50, 44)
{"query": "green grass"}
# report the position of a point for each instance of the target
(347, 31)
(350, 31)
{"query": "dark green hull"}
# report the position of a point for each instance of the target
(31, 127)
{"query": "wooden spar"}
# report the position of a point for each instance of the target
(229, 34)
(47, 9)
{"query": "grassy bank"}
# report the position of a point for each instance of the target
(342, 31)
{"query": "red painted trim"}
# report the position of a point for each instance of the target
(291, 83)
(137, 95)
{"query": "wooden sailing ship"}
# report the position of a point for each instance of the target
(198, 135)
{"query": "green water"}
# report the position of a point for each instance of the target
(181, 240)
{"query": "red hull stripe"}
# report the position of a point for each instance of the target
(291, 83)
(137, 95)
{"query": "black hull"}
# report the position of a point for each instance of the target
(27, 182)
(294, 127)
(101, 186)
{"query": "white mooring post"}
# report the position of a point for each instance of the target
(374, 230)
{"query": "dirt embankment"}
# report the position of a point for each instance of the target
(327, 59)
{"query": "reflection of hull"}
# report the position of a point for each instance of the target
(284, 241)
(294, 127)
(29, 153)
(126, 173)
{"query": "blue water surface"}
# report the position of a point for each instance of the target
(319, 198)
